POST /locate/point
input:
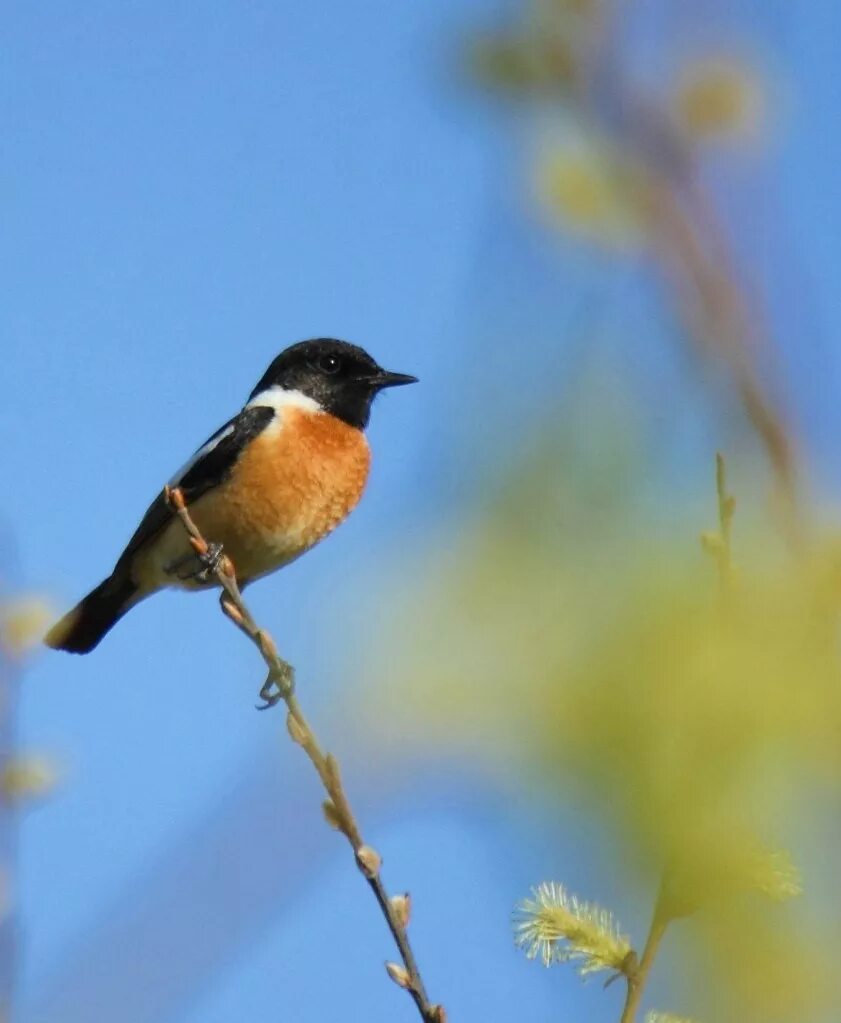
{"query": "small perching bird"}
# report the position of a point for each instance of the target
(266, 487)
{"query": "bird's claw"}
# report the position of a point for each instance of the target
(209, 562)
(183, 568)
(270, 694)
(274, 690)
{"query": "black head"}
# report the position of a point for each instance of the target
(342, 378)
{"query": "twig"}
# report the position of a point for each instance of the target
(719, 544)
(726, 511)
(280, 685)
(637, 978)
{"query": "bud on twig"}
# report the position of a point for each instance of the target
(296, 732)
(331, 814)
(401, 907)
(199, 546)
(336, 809)
(232, 611)
(399, 974)
(175, 496)
(369, 861)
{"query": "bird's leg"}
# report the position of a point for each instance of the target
(208, 563)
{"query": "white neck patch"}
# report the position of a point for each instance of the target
(273, 397)
(279, 399)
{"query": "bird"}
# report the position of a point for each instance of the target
(270, 484)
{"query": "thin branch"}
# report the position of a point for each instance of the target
(696, 257)
(279, 685)
(639, 977)
(726, 511)
(585, 68)
(720, 547)
(695, 260)
(719, 544)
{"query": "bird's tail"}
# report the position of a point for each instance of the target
(81, 629)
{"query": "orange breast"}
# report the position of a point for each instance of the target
(292, 486)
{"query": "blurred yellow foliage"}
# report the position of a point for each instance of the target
(23, 622)
(515, 65)
(597, 654)
(719, 97)
(27, 777)
(544, 56)
(665, 1017)
(592, 191)
(607, 662)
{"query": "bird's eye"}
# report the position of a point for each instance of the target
(329, 363)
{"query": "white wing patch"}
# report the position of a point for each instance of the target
(205, 449)
(276, 398)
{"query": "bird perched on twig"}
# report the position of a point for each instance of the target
(266, 487)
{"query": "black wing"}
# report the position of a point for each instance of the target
(210, 466)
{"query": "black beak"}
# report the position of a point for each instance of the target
(385, 379)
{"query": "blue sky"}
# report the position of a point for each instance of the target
(188, 190)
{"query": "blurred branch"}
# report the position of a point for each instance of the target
(279, 685)
(689, 238)
(726, 510)
(570, 53)
(692, 249)
(719, 544)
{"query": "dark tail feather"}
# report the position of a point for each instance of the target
(81, 629)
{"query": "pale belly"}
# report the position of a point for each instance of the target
(170, 561)
(281, 500)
